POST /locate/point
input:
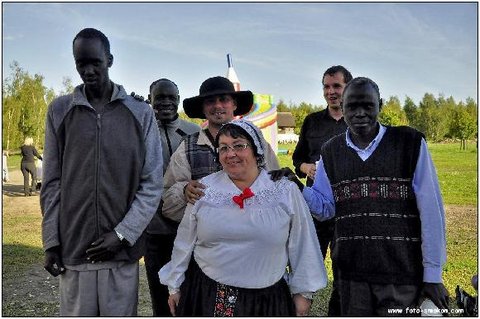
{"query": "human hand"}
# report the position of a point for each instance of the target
(302, 305)
(104, 248)
(309, 170)
(437, 293)
(53, 261)
(276, 175)
(173, 302)
(137, 97)
(193, 191)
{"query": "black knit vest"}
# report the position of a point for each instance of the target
(200, 157)
(377, 226)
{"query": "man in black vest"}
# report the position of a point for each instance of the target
(380, 184)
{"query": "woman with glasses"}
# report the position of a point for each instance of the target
(234, 244)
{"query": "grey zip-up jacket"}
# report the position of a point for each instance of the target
(101, 172)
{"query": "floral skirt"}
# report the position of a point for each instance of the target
(202, 296)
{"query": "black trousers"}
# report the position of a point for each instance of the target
(158, 253)
(28, 168)
(363, 299)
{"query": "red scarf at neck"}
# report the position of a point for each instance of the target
(238, 199)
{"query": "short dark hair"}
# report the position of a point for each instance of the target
(91, 33)
(162, 80)
(235, 131)
(360, 81)
(347, 76)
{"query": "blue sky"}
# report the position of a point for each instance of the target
(277, 48)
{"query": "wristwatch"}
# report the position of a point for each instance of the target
(122, 238)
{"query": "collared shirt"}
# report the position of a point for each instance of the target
(428, 196)
(248, 247)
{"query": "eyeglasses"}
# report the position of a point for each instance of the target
(213, 100)
(236, 148)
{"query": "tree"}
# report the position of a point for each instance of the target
(431, 120)
(411, 112)
(301, 112)
(392, 113)
(24, 107)
(463, 125)
(282, 107)
(68, 86)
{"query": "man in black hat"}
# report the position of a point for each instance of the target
(219, 103)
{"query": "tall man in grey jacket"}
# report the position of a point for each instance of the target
(164, 98)
(102, 183)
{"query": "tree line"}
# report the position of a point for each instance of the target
(26, 99)
(439, 118)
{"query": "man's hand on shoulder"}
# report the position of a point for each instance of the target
(193, 191)
(139, 97)
(276, 175)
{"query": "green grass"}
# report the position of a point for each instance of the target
(22, 245)
(457, 172)
(13, 161)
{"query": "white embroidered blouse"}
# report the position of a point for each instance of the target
(249, 247)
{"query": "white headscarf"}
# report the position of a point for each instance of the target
(253, 131)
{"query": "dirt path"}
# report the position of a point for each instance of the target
(35, 292)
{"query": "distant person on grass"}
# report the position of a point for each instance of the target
(5, 177)
(29, 152)
(102, 184)
(380, 185)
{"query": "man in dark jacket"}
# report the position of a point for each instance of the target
(161, 231)
(102, 183)
(317, 128)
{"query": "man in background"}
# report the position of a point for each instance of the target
(318, 128)
(164, 98)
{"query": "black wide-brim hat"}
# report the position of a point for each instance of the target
(217, 85)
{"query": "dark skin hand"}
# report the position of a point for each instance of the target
(53, 261)
(138, 97)
(437, 293)
(286, 172)
(104, 248)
